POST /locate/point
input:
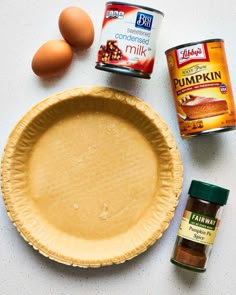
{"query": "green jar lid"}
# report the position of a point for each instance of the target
(208, 192)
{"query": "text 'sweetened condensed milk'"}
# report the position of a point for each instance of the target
(201, 87)
(128, 39)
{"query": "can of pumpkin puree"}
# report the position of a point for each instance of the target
(201, 87)
(128, 39)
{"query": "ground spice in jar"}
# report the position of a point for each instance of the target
(199, 225)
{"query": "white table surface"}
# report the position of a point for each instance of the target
(25, 25)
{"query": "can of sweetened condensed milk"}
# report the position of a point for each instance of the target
(128, 39)
(201, 87)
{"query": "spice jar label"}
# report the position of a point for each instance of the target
(198, 228)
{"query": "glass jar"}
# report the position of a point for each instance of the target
(199, 225)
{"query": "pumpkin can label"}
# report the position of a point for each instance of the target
(201, 87)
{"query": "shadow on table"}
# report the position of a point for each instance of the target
(205, 149)
(80, 273)
(124, 82)
(185, 277)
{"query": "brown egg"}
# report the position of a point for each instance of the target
(52, 58)
(76, 27)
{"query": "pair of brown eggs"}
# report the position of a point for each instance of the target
(55, 56)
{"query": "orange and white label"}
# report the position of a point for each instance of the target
(201, 87)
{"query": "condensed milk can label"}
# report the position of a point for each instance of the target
(201, 88)
(128, 39)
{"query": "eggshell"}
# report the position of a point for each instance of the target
(76, 27)
(52, 58)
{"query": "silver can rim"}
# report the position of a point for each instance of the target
(122, 70)
(209, 131)
(138, 6)
(194, 43)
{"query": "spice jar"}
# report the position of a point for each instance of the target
(199, 225)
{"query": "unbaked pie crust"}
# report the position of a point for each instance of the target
(91, 176)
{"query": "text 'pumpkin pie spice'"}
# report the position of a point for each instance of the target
(128, 39)
(201, 87)
(199, 225)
